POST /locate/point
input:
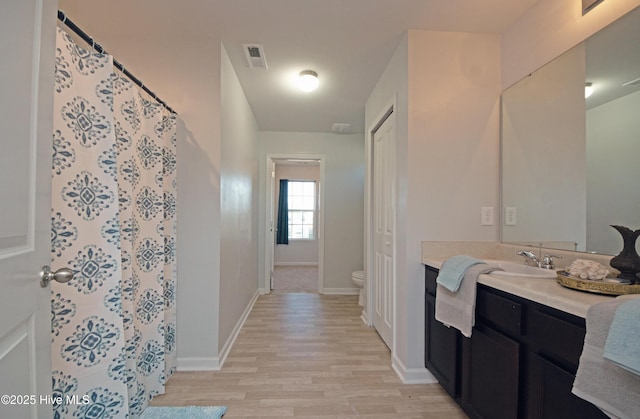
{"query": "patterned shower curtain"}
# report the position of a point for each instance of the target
(114, 224)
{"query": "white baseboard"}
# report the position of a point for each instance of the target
(198, 364)
(364, 317)
(328, 291)
(412, 375)
(234, 334)
(216, 363)
(341, 291)
(295, 264)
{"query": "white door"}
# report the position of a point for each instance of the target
(383, 228)
(27, 48)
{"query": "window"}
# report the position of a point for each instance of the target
(302, 209)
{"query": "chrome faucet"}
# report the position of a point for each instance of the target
(529, 258)
(547, 261)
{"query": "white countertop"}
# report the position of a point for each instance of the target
(544, 291)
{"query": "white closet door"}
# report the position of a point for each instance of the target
(384, 228)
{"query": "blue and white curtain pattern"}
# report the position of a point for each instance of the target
(114, 224)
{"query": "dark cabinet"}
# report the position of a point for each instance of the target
(490, 375)
(549, 393)
(520, 361)
(441, 342)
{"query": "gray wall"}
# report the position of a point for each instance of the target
(238, 204)
(613, 196)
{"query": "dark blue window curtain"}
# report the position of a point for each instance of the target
(282, 232)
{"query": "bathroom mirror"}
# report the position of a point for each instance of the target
(570, 164)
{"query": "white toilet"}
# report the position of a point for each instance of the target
(358, 279)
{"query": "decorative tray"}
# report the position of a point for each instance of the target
(609, 286)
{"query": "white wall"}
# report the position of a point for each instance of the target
(448, 87)
(549, 28)
(454, 97)
(198, 245)
(392, 88)
(344, 197)
(297, 252)
(239, 204)
(612, 172)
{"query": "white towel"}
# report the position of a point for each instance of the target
(614, 390)
(459, 309)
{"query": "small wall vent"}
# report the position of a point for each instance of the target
(255, 55)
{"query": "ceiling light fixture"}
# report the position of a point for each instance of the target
(588, 89)
(308, 80)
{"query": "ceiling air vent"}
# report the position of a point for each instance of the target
(255, 55)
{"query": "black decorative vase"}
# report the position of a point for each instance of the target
(628, 261)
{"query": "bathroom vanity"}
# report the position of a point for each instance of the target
(521, 359)
(523, 354)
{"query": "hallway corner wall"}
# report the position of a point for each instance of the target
(238, 204)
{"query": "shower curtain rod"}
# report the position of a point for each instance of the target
(89, 40)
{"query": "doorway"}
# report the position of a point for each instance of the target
(298, 265)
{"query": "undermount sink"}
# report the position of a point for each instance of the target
(520, 269)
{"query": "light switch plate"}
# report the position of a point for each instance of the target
(486, 216)
(510, 216)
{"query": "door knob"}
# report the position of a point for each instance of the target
(62, 275)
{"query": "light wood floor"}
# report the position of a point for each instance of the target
(308, 356)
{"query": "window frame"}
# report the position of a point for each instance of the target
(314, 211)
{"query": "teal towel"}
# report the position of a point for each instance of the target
(184, 412)
(623, 340)
(453, 269)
